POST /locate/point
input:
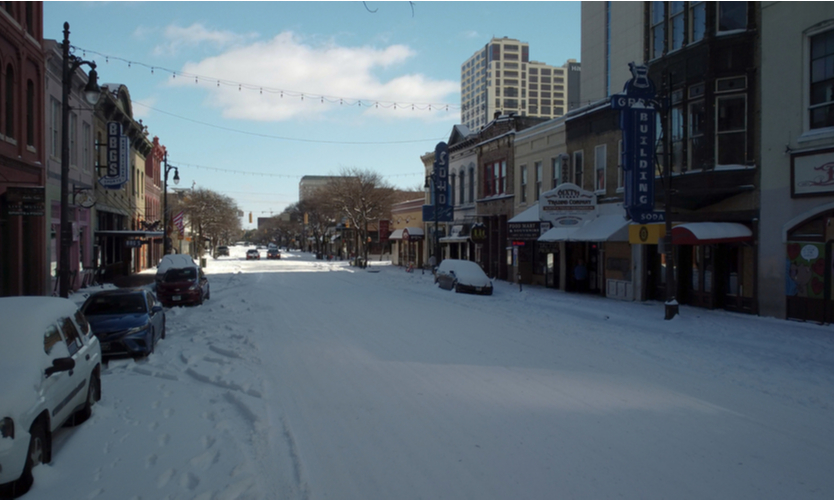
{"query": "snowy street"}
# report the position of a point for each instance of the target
(306, 379)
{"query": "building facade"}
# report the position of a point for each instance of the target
(501, 78)
(23, 245)
(797, 161)
(154, 171)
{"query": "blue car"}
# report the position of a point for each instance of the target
(127, 322)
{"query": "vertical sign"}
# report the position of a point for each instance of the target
(440, 188)
(384, 229)
(118, 157)
(638, 122)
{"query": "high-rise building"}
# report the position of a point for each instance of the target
(501, 77)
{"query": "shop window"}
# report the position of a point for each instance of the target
(821, 108)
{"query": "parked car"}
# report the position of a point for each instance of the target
(127, 322)
(50, 365)
(172, 261)
(464, 276)
(183, 286)
(253, 253)
(273, 253)
(222, 251)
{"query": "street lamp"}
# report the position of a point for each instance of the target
(92, 93)
(166, 245)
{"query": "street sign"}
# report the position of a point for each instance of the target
(118, 158)
(440, 188)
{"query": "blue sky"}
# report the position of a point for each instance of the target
(254, 145)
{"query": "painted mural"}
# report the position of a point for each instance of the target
(805, 269)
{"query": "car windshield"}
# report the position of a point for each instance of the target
(132, 303)
(174, 275)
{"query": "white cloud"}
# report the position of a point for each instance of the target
(287, 63)
(142, 107)
(177, 38)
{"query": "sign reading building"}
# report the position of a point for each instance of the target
(638, 122)
(118, 158)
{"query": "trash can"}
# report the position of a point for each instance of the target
(203, 262)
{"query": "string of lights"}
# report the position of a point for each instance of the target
(295, 94)
(268, 136)
(263, 174)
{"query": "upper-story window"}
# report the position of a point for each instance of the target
(676, 24)
(697, 21)
(55, 128)
(731, 121)
(578, 159)
(30, 113)
(556, 167)
(524, 184)
(462, 185)
(471, 184)
(732, 16)
(452, 189)
(10, 133)
(658, 28)
(620, 176)
(538, 167)
(600, 164)
(821, 107)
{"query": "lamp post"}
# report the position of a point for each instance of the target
(92, 93)
(166, 246)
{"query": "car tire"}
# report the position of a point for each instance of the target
(455, 287)
(35, 456)
(208, 294)
(93, 395)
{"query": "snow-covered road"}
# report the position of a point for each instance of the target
(305, 379)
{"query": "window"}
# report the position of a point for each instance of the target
(55, 128)
(697, 21)
(10, 102)
(462, 185)
(578, 157)
(731, 136)
(73, 139)
(524, 184)
(452, 189)
(503, 183)
(84, 324)
(471, 184)
(658, 29)
(30, 113)
(74, 342)
(86, 141)
(676, 10)
(556, 165)
(600, 162)
(51, 338)
(676, 136)
(821, 108)
(620, 178)
(732, 16)
(538, 167)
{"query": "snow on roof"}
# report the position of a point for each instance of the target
(559, 233)
(603, 228)
(25, 319)
(178, 260)
(529, 215)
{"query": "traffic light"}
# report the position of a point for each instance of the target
(250, 217)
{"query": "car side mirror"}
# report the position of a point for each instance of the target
(60, 365)
(156, 309)
(203, 278)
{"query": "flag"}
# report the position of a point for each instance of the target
(179, 223)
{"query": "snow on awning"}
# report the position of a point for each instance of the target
(396, 235)
(603, 228)
(558, 233)
(529, 215)
(415, 231)
(701, 233)
(454, 239)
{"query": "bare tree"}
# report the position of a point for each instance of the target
(362, 197)
(213, 216)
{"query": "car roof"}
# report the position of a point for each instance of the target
(177, 260)
(25, 319)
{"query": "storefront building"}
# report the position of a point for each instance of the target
(407, 236)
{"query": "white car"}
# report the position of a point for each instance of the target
(50, 365)
(463, 276)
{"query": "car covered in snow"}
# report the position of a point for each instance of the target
(50, 365)
(183, 286)
(172, 261)
(253, 254)
(464, 276)
(127, 322)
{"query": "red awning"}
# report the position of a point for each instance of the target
(705, 233)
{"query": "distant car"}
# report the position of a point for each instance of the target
(261, 247)
(222, 251)
(464, 276)
(183, 286)
(273, 253)
(50, 365)
(253, 253)
(127, 321)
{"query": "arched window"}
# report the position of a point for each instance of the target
(461, 189)
(10, 101)
(452, 189)
(30, 113)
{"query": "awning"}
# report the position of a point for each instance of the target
(529, 215)
(454, 239)
(559, 233)
(396, 235)
(603, 228)
(703, 233)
